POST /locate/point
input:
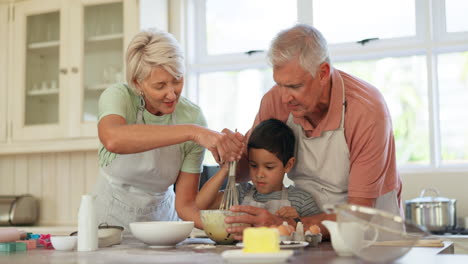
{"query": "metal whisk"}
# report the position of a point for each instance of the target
(230, 196)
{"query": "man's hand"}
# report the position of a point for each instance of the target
(254, 217)
(287, 212)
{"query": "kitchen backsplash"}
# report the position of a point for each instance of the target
(57, 179)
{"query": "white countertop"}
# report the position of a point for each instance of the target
(460, 242)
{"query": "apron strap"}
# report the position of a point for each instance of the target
(344, 104)
(249, 196)
(284, 193)
(141, 109)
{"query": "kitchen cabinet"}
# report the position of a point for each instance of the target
(4, 13)
(65, 53)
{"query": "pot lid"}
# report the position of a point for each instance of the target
(430, 199)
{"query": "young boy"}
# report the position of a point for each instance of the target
(271, 154)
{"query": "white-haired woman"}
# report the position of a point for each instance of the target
(152, 137)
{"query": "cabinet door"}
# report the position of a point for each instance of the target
(4, 22)
(100, 58)
(40, 70)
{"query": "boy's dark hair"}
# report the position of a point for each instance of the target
(274, 136)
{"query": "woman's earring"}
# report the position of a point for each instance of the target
(142, 99)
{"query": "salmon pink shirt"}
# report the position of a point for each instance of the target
(368, 133)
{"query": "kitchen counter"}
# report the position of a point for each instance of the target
(195, 250)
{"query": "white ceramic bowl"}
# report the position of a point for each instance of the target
(161, 233)
(64, 242)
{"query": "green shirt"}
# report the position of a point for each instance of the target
(120, 100)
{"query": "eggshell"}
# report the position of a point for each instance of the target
(314, 229)
(291, 229)
(283, 230)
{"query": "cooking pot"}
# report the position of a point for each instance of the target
(18, 210)
(436, 213)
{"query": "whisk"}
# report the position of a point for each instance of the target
(230, 196)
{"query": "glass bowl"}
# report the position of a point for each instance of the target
(375, 235)
(215, 227)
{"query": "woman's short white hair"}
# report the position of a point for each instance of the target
(151, 48)
(303, 42)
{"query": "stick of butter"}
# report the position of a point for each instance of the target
(261, 240)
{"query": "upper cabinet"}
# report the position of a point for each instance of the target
(65, 53)
(4, 16)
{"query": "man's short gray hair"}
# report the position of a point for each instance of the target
(151, 48)
(303, 42)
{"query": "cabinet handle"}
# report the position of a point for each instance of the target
(74, 69)
(63, 71)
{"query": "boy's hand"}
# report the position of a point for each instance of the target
(287, 212)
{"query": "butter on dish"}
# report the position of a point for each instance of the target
(261, 240)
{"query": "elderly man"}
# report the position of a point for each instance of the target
(345, 144)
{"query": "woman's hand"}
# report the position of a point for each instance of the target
(254, 217)
(287, 212)
(225, 146)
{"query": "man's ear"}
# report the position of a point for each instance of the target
(324, 73)
(289, 164)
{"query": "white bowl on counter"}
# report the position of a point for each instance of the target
(64, 242)
(161, 234)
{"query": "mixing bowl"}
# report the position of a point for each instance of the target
(161, 233)
(215, 227)
(375, 235)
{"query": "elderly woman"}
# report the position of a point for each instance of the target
(152, 138)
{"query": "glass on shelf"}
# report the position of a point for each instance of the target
(43, 88)
(43, 27)
(41, 93)
(103, 19)
(103, 57)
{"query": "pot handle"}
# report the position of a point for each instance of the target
(423, 192)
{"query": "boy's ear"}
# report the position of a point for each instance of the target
(289, 164)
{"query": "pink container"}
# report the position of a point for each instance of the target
(9, 235)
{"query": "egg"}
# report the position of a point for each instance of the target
(283, 230)
(314, 229)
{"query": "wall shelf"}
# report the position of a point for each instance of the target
(43, 92)
(98, 87)
(105, 37)
(42, 45)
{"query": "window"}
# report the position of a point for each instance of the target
(376, 20)
(414, 52)
(243, 25)
(456, 15)
(403, 82)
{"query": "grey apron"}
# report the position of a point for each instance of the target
(272, 206)
(139, 187)
(322, 166)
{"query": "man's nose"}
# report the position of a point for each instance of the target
(285, 96)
